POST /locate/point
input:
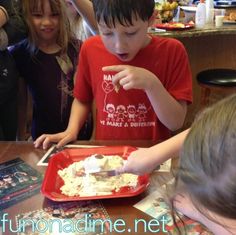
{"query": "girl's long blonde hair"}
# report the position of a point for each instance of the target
(58, 7)
(207, 168)
(208, 159)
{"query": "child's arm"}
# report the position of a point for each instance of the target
(3, 16)
(146, 160)
(85, 9)
(22, 110)
(78, 115)
(3, 20)
(168, 110)
(12, 25)
(184, 205)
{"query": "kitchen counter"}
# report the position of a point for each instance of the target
(208, 30)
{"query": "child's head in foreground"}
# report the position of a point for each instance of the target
(208, 161)
(123, 25)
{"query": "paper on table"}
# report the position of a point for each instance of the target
(155, 205)
(45, 159)
(74, 218)
(165, 166)
(18, 182)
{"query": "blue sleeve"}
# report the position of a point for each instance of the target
(21, 56)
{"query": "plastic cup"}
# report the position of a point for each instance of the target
(219, 20)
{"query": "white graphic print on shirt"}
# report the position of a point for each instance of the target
(5, 72)
(121, 115)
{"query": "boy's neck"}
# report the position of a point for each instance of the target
(149, 39)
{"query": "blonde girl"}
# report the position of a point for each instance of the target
(37, 12)
(206, 177)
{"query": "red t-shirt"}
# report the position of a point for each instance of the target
(129, 114)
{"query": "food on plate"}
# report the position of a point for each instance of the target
(79, 179)
(232, 16)
(178, 25)
(175, 26)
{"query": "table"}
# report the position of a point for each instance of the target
(117, 208)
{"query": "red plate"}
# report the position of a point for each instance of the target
(52, 181)
(174, 26)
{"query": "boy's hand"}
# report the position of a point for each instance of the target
(131, 77)
(62, 138)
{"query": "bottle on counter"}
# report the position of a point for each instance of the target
(200, 17)
(209, 11)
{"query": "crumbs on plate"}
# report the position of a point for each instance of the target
(78, 180)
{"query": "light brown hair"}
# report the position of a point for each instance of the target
(58, 7)
(207, 170)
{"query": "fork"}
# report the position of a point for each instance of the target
(108, 173)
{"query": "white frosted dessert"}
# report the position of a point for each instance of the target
(95, 163)
(78, 180)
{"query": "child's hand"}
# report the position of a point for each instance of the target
(62, 138)
(130, 77)
(138, 163)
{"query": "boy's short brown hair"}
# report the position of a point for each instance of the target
(122, 11)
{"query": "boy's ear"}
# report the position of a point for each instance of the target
(153, 17)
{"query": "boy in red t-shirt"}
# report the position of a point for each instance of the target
(141, 84)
